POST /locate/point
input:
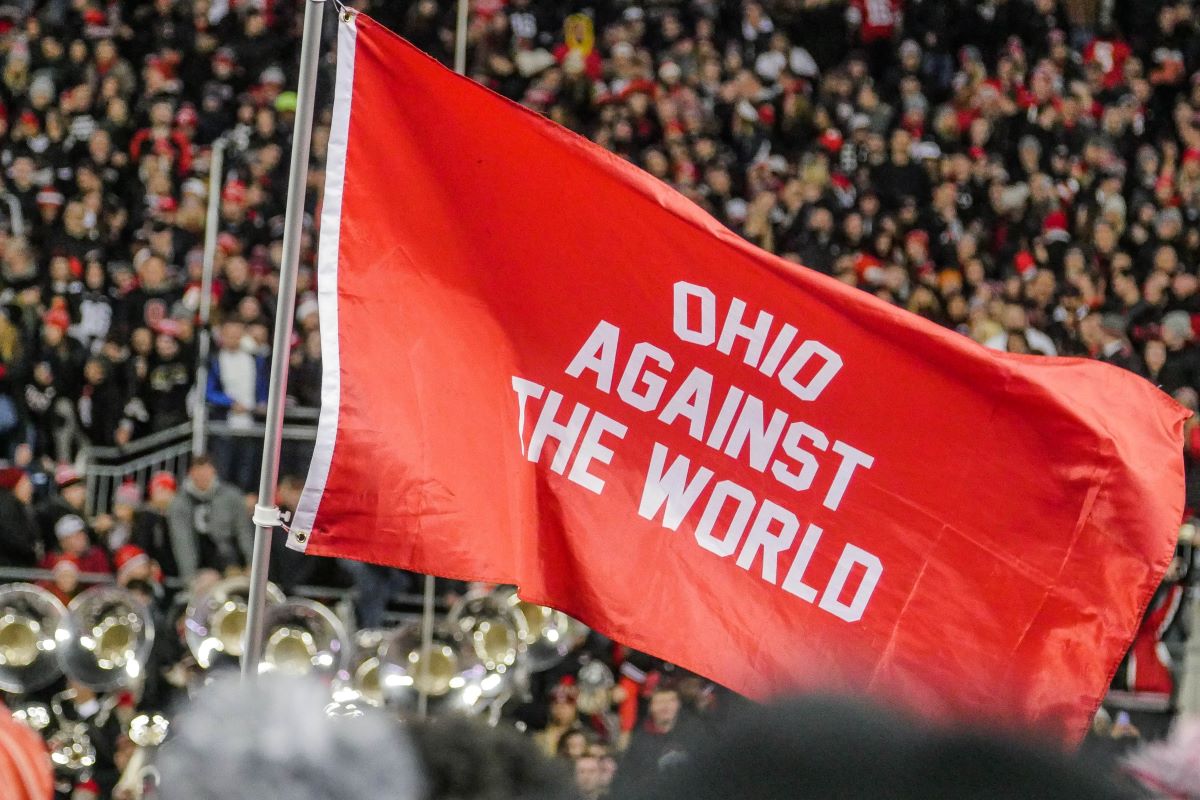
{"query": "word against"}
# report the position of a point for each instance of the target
(726, 518)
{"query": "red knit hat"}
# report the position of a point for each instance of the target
(65, 562)
(162, 480)
(832, 140)
(57, 318)
(129, 557)
(128, 494)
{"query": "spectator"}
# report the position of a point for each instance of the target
(662, 741)
(606, 765)
(1115, 347)
(116, 530)
(63, 359)
(564, 717)
(1015, 321)
(208, 524)
(133, 564)
(168, 381)
(151, 531)
(1181, 366)
(71, 499)
(101, 403)
(237, 386)
(375, 586)
(572, 744)
(72, 535)
(64, 577)
(20, 542)
(589, 778)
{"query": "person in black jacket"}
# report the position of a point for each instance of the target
(663, 741)
(101, 403)
(167, 384)
(20, 543)
(1182, 364)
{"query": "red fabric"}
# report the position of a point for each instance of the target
(1147, 671)
(878, 18)
(1020, 510)
(1111, 55)
(627, 711)
(93, 560)
(25, 771)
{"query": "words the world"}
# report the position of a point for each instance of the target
(727, 519)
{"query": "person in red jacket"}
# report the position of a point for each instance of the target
(65, 581)
(1109, 52)
(71, 532)
(876, 22)
(162, 138)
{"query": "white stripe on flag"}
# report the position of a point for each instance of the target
(327, 287)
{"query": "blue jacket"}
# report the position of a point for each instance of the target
(215, 393)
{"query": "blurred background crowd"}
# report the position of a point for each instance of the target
(1026, 172)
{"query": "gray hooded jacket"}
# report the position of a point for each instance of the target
(209, 529)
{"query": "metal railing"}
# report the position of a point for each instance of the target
(170, 450)
(106, 468)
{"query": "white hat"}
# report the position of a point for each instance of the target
(68, 525)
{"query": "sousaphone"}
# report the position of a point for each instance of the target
(450, 674)
(550, 634)
(497, 633)
(215, 621)
(105, 638)
(303, 637)
(29, 620)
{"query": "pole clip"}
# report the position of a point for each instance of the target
(269, 517)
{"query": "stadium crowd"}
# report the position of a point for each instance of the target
(1026, 172)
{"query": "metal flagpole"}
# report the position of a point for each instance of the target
(460, 38)
(426, 647)
(216, 167)
(266, 515)
(460, 66)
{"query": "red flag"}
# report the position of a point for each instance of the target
(544, 367)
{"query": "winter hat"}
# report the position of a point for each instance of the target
(129, 557)
(49, 197)
(306, 308)
(69, 525)
(1025, 263)
(1055, 221)
(57, 317)
(65, 563)
(66, 476)
(234, 192)
(128, 494)
(831, 140)
(162, 480)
